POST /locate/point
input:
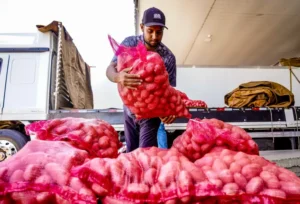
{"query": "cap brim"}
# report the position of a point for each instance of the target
(156, 24)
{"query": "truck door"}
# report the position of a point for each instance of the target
(4, 59)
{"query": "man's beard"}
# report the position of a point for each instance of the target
(152, 46)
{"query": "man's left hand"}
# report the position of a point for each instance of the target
(168, 120)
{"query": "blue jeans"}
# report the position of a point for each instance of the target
(162, 139)
(141, 133)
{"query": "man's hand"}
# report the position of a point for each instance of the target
(130, 81)
(168, 120)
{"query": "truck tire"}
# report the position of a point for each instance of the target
(11, 141)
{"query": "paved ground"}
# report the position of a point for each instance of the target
(289, 159)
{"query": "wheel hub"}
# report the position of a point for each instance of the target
(7, 149)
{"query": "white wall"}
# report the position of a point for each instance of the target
(88, 22)
(212, 84)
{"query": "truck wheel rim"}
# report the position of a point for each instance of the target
(7, 149)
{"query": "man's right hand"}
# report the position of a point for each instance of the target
(130, 81)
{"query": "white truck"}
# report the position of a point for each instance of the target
(33, 88)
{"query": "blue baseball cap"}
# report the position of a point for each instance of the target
(154, 17)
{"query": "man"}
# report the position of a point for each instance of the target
(143, 133)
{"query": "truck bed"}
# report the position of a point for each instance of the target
(247, 118)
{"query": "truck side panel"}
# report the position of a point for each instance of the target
(27, 83)
(4, 58)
